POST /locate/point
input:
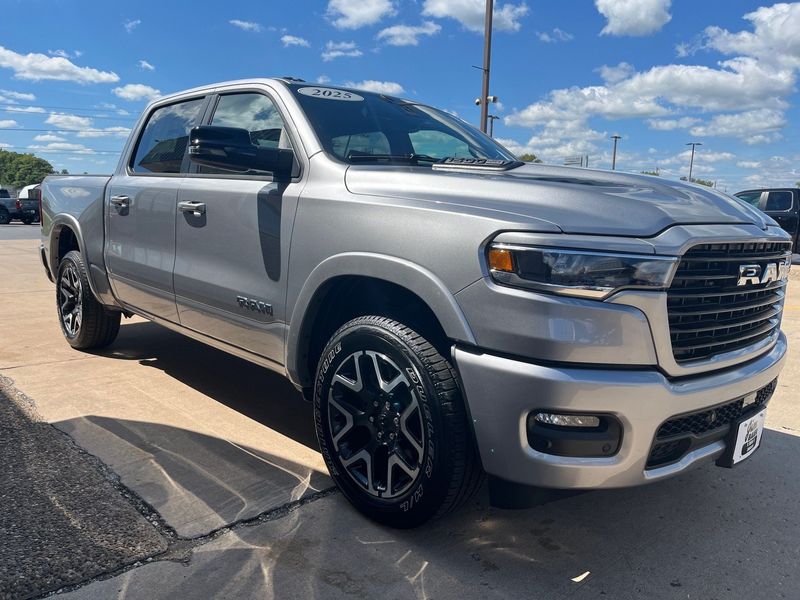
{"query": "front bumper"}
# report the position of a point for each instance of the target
(502, 392)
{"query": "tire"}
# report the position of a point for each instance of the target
(85, 323)
(27, 220)
(392, 425)
(5, 217)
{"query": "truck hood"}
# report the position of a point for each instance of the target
(580, 201)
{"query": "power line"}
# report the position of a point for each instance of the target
(49, 106)
(87, 152)
(28, 112)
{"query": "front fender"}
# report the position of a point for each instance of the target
(409, 275)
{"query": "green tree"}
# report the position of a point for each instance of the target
(19, 170)
(705, 182)
(531, 158)
(657, 173)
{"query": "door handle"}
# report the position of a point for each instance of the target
(189, 206)
(120, 201)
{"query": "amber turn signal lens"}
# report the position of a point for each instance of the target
(501, 260)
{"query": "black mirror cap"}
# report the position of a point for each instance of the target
(231, 149)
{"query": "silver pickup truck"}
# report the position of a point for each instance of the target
(449, 310)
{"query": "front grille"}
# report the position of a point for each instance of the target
(709, 313)
(677, 436)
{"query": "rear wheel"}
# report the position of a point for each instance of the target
(392, 425)
(27, 220)
(84, 321)
(5, 217)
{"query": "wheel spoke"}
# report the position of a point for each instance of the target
(356, 385)
(365, 456)
(406, 414)
(386, 386)
(396, 461)
(348, 418)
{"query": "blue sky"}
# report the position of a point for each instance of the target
(75, 74)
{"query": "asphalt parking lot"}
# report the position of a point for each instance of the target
(202, 479)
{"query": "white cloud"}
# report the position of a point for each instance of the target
(408, 35)
(5, 123)
(323, 79)
(748, 164)
(391, 88)
(131, 24)
(11, 97)
(670, 124)
(245, 25)
(49, 137)
(338, 49)
(753, 126)
(555, 36)
(616, 73)
(293, 40)
(773, 40)
(25, 109)
(120, 132)
(136, 91)
(36, 67)
(471, 13)
(634, 17)
(62, 146)
(352, 14)
(146, 66)
(69, 122)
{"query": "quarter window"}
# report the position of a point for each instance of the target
(779, 201)
(163, 143)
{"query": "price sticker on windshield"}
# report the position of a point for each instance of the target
(330, 94)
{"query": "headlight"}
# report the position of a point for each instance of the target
(580, 273)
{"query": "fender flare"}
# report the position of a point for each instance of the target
(58, 222)
(411, 276)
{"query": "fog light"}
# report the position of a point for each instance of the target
(567, 420)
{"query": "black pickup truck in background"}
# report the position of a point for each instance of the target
(24, 208)
(782, 204)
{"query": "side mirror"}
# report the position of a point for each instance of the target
(231, 149)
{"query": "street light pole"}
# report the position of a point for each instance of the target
(614, 137)
(492, 119)
(487, 59)
(691, 162)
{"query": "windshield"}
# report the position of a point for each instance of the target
(353, 126)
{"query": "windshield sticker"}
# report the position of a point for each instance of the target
(330, 94)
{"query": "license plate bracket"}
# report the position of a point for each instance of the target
(743, 439)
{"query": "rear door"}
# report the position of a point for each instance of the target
(781, 205)
(232, 254)
(141, 206)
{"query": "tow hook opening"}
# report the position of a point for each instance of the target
(575, 435)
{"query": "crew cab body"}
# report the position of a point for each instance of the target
(24, 208)
(782, 204)
(268, 265)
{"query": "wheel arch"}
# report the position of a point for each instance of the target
(350, 275)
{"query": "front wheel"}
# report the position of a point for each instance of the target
(392, 425)
(84, 321)
(5, 216)
(27, 220)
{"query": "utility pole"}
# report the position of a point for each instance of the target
(615, 137)
(487, 59)
(691, 162)
(492, 119)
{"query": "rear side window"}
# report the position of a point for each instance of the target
(751, 198)
(165, 137)
(779, 201)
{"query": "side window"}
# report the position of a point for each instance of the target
(163, 142)
(438, 144)
(257, 114)
(779, 201)
(752, 198)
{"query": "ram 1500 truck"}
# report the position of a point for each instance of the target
(449, 310)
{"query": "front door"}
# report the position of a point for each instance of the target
(232, 239)
(781, 205)
(141, 212)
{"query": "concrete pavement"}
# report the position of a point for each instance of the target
(224, 451)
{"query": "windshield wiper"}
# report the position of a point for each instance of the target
(413, 159)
